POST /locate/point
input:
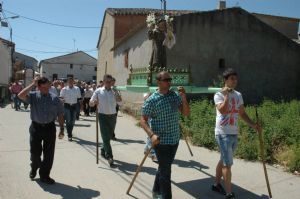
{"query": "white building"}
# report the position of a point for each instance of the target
(78, 65)
(6, 50)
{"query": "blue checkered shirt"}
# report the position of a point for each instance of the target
(163, 112)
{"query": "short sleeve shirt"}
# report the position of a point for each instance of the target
(107, 101)
(163, 113)
(44, 108)
(70, 95)
(228, 123)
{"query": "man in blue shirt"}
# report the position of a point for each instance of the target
(160, 120)
(45, 107)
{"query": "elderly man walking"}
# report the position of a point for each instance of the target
(160, 120)
(45, 108)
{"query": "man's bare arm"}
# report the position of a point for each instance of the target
(144, 124)
(23, 95)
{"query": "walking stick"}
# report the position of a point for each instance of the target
(138, 170)
(261, 144)
(97, 137)
(185, 139)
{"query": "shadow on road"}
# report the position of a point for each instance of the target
(88, 120)
(128, 141)
(129, 169)
(201, 189)
(190, 164)
(69, 192)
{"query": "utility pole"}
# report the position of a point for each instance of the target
(164, 6)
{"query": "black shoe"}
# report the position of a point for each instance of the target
(47, 180)
(230, 196)
(110, 162)
(70, 139)
(103, 154)
(218, 188)
(32, 174)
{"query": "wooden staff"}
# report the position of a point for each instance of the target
(261, 144)
(138, 170)
(97, 137)
(185, 139)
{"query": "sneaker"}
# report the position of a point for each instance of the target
(218, 188)
(156, 195)
(154, 158)
(48, 180)
(110, 161)
(61, 136)
(32, 173)
(230, 196)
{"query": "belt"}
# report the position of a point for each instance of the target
(70, 104)
(42, 124)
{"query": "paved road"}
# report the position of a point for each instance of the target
(78, 176)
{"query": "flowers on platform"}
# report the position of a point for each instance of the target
(151, 20)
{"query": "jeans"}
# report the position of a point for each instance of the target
(165, 155)
(17, 102)
(42, 139)
(70, 116)
(227, 145)
(107, 126)
(86, 107)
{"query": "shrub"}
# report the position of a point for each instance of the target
(280, 122)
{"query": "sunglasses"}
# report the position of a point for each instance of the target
(165, 80)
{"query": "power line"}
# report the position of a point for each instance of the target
(54, 52)
(40, 43)
(53, 24)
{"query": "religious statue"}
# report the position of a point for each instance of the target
(161, 33)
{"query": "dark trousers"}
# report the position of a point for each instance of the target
(17, 102)
(86, 107)
(165, 155)
(42, 139)
(70, 116)
(107, 126)
(117, 110)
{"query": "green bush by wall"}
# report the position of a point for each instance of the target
(281, 128)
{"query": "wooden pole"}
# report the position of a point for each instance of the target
(97, 136)
(138, 170)
(262, 149)
(185, 139)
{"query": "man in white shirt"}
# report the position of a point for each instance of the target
(229, 104)
(70, 94)
(88, 92)
(106, 100)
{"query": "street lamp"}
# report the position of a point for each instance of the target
(5, 24)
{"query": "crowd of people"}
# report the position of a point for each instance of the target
(160, 119)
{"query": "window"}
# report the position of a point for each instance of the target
(126, 52)
(222, 63)
(54, 77)
(95, 68)
(94, 77)
(70, 75)
(71, 66)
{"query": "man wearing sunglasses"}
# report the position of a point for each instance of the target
(160, 120)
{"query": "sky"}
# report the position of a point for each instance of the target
(43, 41)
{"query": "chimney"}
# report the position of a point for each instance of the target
(222, 5)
